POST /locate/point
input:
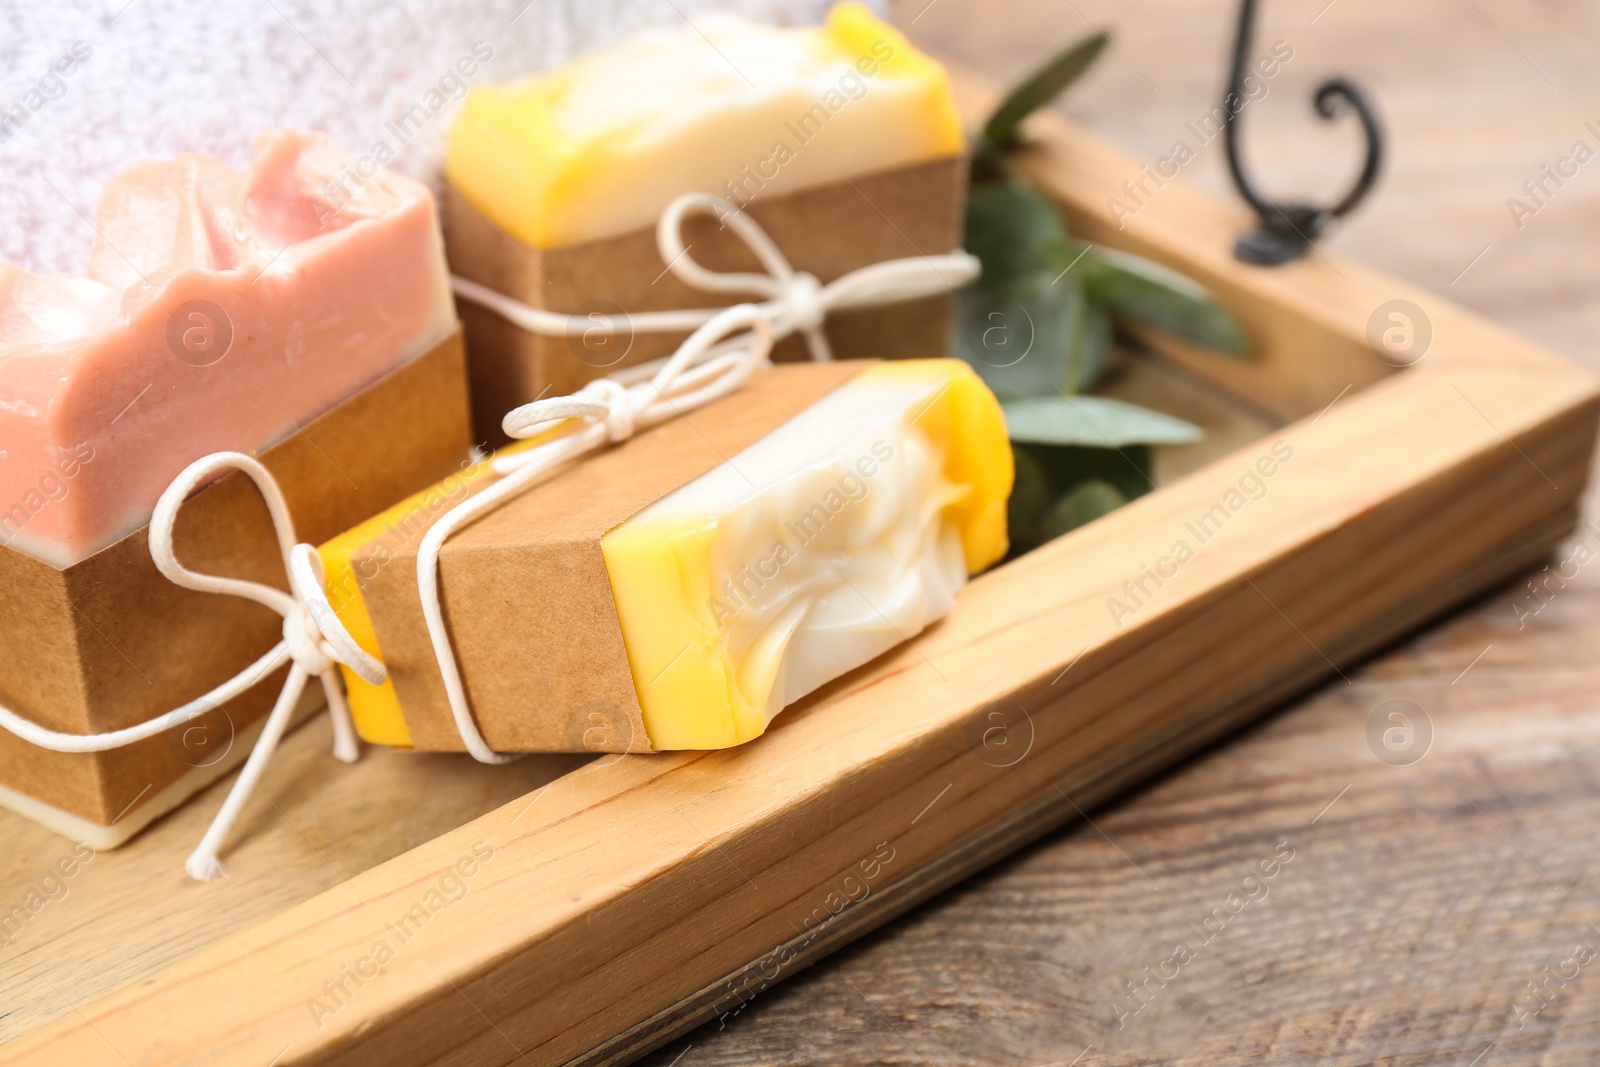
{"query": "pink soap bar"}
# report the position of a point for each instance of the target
(220, 310)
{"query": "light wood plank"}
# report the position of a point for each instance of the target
(1409, 921)
(629, 888)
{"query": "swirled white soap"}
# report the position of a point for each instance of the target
(842, 533)
(829, 536)
(726, 106)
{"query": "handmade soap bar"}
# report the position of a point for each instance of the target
(681, 589)
(724, 106)
(110, 642)
(841, 141)
(829, 541)
(220, 310)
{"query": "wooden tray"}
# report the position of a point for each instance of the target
(561, 911)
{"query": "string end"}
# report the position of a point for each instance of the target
(346, 749)
(204, 866)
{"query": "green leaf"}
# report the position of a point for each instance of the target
(1128, 468)
(1031, 497)
(1023, 339)
(1027, 325)
(1092, 422)
(1013, 230)
(1085, 502)
(1139, 290)
(1046, 474)
(1043, 86)
(1091, 347)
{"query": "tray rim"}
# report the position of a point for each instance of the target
(1537, 407)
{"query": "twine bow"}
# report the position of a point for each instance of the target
(725, 346)
(314, 643)
(713, 362)
(792, 301)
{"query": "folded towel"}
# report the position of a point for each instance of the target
(88, 86)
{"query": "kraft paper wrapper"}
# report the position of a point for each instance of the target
(109, 642)
(828, 231)
(525, 591)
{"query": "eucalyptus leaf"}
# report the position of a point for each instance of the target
(1014, 231)
(1031, 496)
(1043, 86)
(1085, 502)
(1155, 296)
(1092, 422)
(1088, 360)
(1027, 326)
(1036, 338)
(1023, 339)
(1128, 468)
(1047, 474)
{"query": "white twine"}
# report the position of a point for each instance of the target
(725, 347)
(709, 364)
(706, 366)
(314, 642)
(791, 300)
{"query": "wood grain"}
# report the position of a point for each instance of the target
(313, 823)
(1411, 923)
(1428, 895)
(631, 897)
(316, 822)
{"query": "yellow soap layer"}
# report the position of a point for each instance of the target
(376, 708)
(588, 150)
(693, 691)
(662, 582)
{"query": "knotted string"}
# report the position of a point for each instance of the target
(713, 362)
(792, 301)
(725, 347)
(710, 364)
(314, 643)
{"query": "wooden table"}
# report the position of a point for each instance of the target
(1420, 904)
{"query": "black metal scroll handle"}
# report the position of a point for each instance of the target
(1287, 230)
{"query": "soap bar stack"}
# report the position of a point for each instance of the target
(674, 590)
(841, 140)
(266, 311)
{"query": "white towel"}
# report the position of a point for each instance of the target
(90, 87)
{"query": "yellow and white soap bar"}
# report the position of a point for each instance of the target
(726, 106)
(842, 532)
(834, 538)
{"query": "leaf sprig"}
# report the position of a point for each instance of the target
(1038, 326)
